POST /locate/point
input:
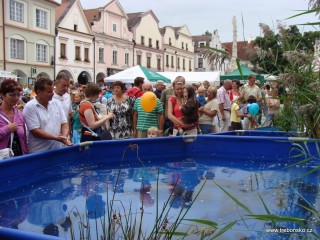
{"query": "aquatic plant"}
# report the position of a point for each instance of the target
(125, 222)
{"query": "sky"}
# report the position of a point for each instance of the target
(200, 16)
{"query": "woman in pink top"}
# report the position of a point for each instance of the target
(11, 119)
(174, 107)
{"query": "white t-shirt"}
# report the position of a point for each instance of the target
(65, 101)
(49, 120)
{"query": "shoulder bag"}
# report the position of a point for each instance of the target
(101, 133)
(7, 152)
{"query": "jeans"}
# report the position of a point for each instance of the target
(205, 128)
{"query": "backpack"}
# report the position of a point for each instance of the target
(133, 93)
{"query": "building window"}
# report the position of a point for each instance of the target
(126, 59)
(142, 40)
(16, 11)
(86, 54)
(190, 65)
(183, 64)
(172, 64)
(78, 56)
(17, 48)
(150, 42)
(41, 19)
(41, 53)
(101, 55)
(187, 47)
(139, 60)
(148, 62)
(157, 44)
(114, 57)
(178, 62)
(200, 62)
(201, 44)
(63, 51)
(75, 27)
(167, 60)
(170, 42)
(159, 64)
(114, 27)
(182, 45)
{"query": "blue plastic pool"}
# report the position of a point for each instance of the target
(49, 192)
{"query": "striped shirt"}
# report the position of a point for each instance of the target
(223, 97)
(147, 119)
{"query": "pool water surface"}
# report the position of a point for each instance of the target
(77, 197)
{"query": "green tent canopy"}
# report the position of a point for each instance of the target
(235, 75)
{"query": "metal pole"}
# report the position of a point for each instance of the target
(4, 39)
(134, 44)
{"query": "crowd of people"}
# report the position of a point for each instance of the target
(53, 114)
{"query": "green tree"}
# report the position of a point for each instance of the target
(207, 33)
(270, 47)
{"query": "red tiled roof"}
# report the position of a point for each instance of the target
(92, 14)
(243, 49)
(61, 9)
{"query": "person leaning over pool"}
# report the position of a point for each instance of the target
(45, 119)
(10, 94)
(89, 116)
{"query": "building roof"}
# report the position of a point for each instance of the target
(243, 49)
(201, 38)
(52, 1)
(62, 10)
(134, 18)
(92, 14)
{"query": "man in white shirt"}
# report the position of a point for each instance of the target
(46, 121)
(62, 84)
(251, 89)
(224, 105)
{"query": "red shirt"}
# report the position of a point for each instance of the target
(134, 92)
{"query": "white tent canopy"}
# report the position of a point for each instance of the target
(195, 77)
(128, 75)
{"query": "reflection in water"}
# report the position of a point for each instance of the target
(56, 204)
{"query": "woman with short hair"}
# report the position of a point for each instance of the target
(208, 113)
(11, 119)
(122, 107)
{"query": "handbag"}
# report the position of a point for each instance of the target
(100, 133)
(7, 152)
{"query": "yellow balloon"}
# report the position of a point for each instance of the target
(149, 101)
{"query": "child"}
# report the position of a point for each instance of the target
(76, 124)
(249, 123)
(153, 132)
(236, 114)
(190, 114)
(201, 96)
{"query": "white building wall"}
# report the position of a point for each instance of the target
(82, 37)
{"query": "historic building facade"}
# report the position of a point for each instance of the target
(74, 42)
(28, 30)
(113, 40)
